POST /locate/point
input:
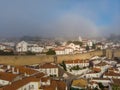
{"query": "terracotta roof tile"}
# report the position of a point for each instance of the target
(60, 85)
(111, 73)
(76, 61)
(48, 65)
(96, 69)
(7, 76)
(16, 85)
(45, 79)
(23, 69)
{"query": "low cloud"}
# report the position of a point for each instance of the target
(72, 25)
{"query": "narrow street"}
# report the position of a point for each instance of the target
(70, 76)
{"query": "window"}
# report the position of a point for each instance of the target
(50, 70)
(32, 86)
(3, 81)
(54, 70)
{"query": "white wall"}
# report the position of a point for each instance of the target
(22, 46)
(4, 82)
(2, 47)
(35, 49)
(50, 71)
(30, 86)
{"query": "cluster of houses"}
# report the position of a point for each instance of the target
(32, 77)
(85, 74)
(23, 46)
(62, 49)
(101, 71)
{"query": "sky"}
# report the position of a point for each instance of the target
(59, 18)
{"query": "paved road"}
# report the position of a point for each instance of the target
(70, 76)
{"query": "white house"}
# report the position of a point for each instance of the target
(112, 73)
(93, 75)
(7, 78)
(22, 47)
(35, 48)
(5, 47)
(63, 50)
(80, 63)
(29, 83)
(68, 50)
(75, 47)
(49, 68)
(104, 81)
(59, 51)
(90, 43)
(2, 47)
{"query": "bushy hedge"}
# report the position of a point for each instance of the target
(6, 53)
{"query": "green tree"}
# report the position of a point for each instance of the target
(50, 52)
(63, 65)
(94, 46)
(75, 42)
(96, 88)
(101, 86)
(87, 48)
(30, 53)
(6, 53)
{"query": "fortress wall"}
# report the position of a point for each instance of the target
(27, 60)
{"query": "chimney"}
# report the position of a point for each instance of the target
(25, 74)
(17, 71)
(13, 69)
(8, 66)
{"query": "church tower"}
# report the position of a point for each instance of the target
(80, 38)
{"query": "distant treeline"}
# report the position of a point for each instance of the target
(6, 53)
(114, 37)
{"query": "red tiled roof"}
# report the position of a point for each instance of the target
(96, 69)
(16, 85)
(48, 65)
(60, 85)
(45, 79)
(111, 73)
(23, 69)
(39, 75)
(7, 76)
(76, 61)
(101, 64)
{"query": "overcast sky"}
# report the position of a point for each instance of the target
(59, 17)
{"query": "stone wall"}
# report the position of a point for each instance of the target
(27, 60)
